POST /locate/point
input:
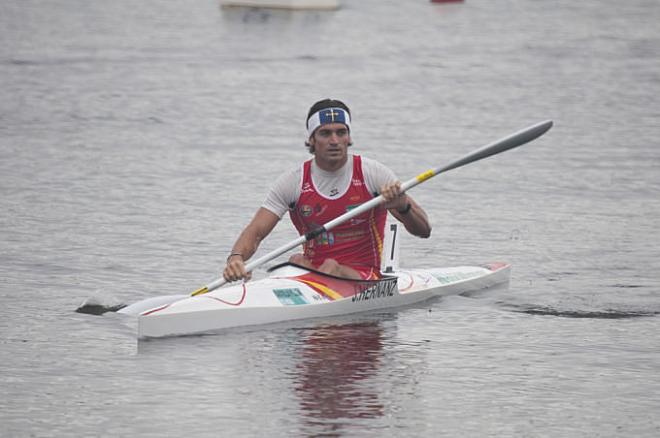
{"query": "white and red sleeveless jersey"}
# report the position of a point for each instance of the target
(357, 243)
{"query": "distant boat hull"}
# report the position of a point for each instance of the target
(284, 4)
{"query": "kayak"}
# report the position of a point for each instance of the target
(292, 292)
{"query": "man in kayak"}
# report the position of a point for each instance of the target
(323, 188)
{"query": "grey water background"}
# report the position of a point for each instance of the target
(138, 138)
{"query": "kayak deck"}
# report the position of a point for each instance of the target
(293, 293)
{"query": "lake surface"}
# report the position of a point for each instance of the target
(138, 138)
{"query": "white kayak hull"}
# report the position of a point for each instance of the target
(292, 293)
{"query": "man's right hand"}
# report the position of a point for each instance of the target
(235, 269)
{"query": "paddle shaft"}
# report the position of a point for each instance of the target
(514, 140)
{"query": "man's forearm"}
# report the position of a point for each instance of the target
(413, 218)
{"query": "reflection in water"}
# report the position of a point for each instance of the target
(335, 362)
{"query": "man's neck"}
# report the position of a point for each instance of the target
(330, 166)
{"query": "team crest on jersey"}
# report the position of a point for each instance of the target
(306, 210)
(326, 238)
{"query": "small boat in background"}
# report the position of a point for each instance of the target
(284, 4)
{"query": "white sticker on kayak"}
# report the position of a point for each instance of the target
(457, 276)
(290, 297)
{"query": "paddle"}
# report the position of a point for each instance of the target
(514, 140)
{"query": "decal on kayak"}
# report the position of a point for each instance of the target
(290, 297)
(325, 290)
(423, 280)
(335, 288)
(457, 276)
(382, 289)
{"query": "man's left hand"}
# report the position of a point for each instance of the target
(394, 197)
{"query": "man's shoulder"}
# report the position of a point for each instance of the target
(371, 165)
(284, 191)
(376, 174)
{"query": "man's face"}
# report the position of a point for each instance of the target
(331, 142)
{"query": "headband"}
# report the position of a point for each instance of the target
(328, 115)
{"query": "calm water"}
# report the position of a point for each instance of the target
(137, 139)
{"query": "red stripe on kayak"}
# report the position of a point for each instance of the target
(496, 266)
(227, 302)
(412, 282)
(157, 309)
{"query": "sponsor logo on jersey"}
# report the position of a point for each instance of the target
(342, 236)
(306, 210)
(326, 238)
